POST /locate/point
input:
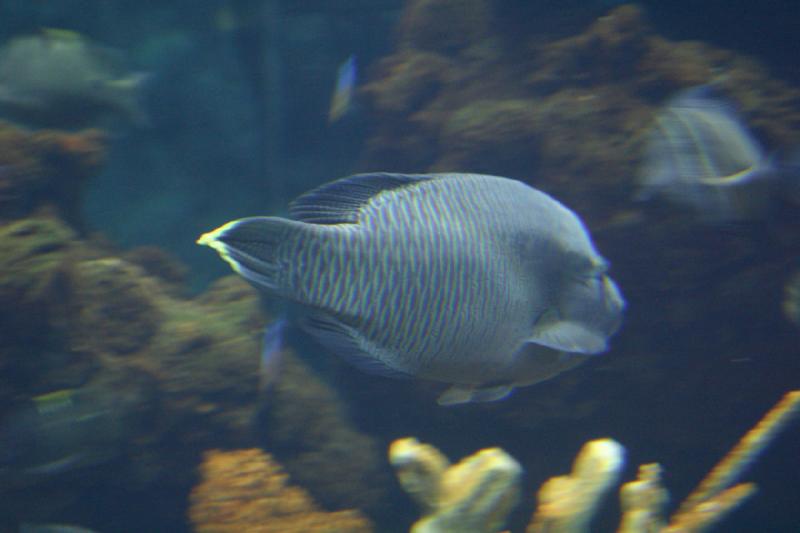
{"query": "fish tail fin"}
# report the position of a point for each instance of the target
(254, 248)
(128, 91)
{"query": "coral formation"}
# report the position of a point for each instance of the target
(477, 494)
(566, 503)
(562, 509)
(791, 299)
(246, 491)
(715, 496)
(472, 496)
(643, 501)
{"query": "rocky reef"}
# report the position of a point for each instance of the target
(565, 115)
(79, 315)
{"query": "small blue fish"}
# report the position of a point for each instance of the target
(478, 281)
(344, 91)
(700, 153)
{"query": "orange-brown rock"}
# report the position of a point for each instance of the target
(246, 491)
(47, 168)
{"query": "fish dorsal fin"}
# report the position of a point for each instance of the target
(709, 96)
(339, 202)
(348, 343)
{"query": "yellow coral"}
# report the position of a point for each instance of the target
(714, 497)
(566, 503)
(643, 501)
(246, 491)
(472, 496)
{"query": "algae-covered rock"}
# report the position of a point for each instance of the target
(47, 168)
(445, 26)
(308, 429)
(106, 324)
(491, 137)
(567, 116)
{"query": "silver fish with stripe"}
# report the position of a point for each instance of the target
(699, 153)
(478, 281)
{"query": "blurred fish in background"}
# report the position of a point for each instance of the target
(701, 154)
(60, 432)
(60, 79)
(343, 94)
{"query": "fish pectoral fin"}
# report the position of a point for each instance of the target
(340, 201)
(348, 343)
(457, 394)
(569, 337)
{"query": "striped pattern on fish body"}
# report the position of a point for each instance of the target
(418, 278)
(439, 276)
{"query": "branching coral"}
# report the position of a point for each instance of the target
(472, 496)
(246, 491)
(475, 495)
(643, 500)
(566, 503)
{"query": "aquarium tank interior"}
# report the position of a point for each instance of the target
(438, 266)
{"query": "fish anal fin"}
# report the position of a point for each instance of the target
(345, 341)
(457, 394)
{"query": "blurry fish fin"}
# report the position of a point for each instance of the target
(250, 247)
(343, 91)
(707, 96)
(339, 202)
(61, 34)
(53, 402)
(348, 343)
(129, 90)
(271, 351)
(58, 466)
(134, 81)
(458, 394)
(569, 337)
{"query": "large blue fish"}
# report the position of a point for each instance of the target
(478, 281)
